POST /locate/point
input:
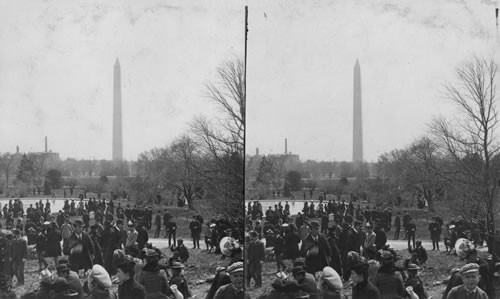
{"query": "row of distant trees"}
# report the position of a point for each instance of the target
(455, 159)
(206, 162)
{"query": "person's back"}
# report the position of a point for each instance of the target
(155, 283)
(390, 284)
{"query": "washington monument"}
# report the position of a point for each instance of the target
(117, 114)
(357, 146)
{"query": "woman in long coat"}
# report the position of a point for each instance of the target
(53, 244)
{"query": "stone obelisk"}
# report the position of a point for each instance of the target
(357, 146)
(117, 114)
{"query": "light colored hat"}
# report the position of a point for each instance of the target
(469, 268)
(100, 276)
(332, 278)
(235, 267)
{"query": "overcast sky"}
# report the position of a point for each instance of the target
(56, 71)
(56, 67)
(301, 61)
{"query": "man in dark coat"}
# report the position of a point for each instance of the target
(255, 259)
(182, 250)
(142, 236)
(110, 240)
(19, 254)
(397, 226)
(316, 250)
(332, 239)
(81, 249)
(195, 228)
(157, 225)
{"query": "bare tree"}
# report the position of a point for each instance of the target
(8, 164)
(222, 141)
(470, 140)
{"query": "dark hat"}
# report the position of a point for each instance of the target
(151, 253)
(314, 224)
(62, 260)
(119, 221)
(253, 234)
(412, 266)
(470, 252)
(60, 285)
(298, 270)
(16, 232)
(62, 267)
(78, 222)
(360, 266)
(180, 241)
(469, 268)
(126, 265)
(177, 265)
(386, 255)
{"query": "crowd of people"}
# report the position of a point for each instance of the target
(79, 256)
(330, 243)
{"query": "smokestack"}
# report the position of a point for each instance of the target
(286, 147)
(496, 14)
(46, 144)
(257, 151)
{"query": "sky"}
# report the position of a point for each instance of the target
(57, 57)
(56, 71)
(301, 56)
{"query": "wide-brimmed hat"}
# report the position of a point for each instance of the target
(298, 270)
(177, 265)
(412, 266)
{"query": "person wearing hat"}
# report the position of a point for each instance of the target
(485, 275)
(129, 288)
(81, 249)
(74, 284)
(469, 289)
(182, 250)
(153, 278)
(170, 229)
(279, 250)
(316, 250)
(235, 288)
(362, 288)
(131, 234)
(435, 231)
(369, 248)
(330, 284)
(195, 228)
(332, 239)
(304, 281)
(410, 229)
(99, 284)
(19, 254)
(419, 254)
(41, 242)
(255, 259)
(179, 280)
(142, 236)
(111, 239)
(45, 287)
(53, 245)
(388, 280)
(414, 282)
(292, 241)
(157, 225)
